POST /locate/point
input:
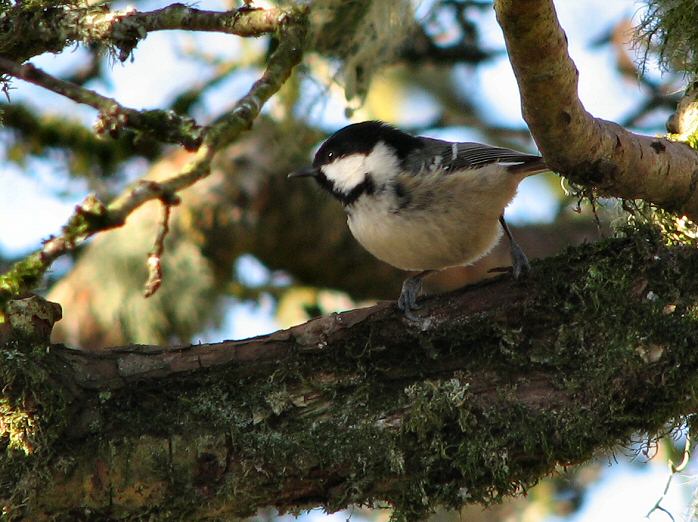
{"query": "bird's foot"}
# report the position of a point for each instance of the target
(411, 288)
(519, 261)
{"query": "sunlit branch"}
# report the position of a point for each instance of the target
(93, 216)
(590, 151)
(166, 126)
(123, 30)
(240, 22)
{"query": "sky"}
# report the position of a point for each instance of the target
(36, 202)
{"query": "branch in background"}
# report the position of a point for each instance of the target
(657, 99)
(93, 216)
(87, 154)
(589, 151)
(186, 99)
(88, 71)
(167, 126)
(155, 256)
(27, 32)
(659, 95)
(421, 49)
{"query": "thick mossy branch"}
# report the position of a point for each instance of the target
(493, 388)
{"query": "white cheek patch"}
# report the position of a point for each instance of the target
(347, 172)
(350, 171)
(382, 163)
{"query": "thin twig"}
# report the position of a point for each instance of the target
(93, 216)
(673, 469)
(166, 126)
(155, 256)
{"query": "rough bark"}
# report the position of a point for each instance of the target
(588, 150)
(493, 388)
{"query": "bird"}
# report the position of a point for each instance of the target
(422, 204)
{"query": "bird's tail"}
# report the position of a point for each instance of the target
(535, 165)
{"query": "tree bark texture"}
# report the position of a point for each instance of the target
(494, 387)
(588, 150)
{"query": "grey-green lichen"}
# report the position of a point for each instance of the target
(600, 347)
(671, 28)
(364, 35)
(33, 416)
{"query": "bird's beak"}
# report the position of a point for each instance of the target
(305, 172)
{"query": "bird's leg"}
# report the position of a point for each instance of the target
(411, 288)
(519, 261)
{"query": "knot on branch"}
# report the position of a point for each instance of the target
(30, 318)
(32, 403)
(683, 124)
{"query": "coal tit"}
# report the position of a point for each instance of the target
(422, 204)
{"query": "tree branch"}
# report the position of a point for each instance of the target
(588, 150)
(493, 388)
(27, 31)
(167, 126)
(93, 216)
(125, 29)
(86, 154)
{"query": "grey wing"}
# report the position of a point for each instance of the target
(447, 156)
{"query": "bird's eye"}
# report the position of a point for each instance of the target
(330, 155)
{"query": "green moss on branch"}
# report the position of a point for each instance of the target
(86, 154)
(26, 274)
(496, 387)
(31, 28)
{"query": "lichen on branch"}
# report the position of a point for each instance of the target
(590, 151)
(26, 274)
(669, 29)
(31, 29)
(498, 385)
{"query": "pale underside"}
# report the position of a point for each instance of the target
(452, 219)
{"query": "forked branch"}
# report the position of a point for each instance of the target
(588, 150)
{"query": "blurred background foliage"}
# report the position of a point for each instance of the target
(250, 252)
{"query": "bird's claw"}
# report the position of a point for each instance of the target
(519, 261)
(411, 288)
